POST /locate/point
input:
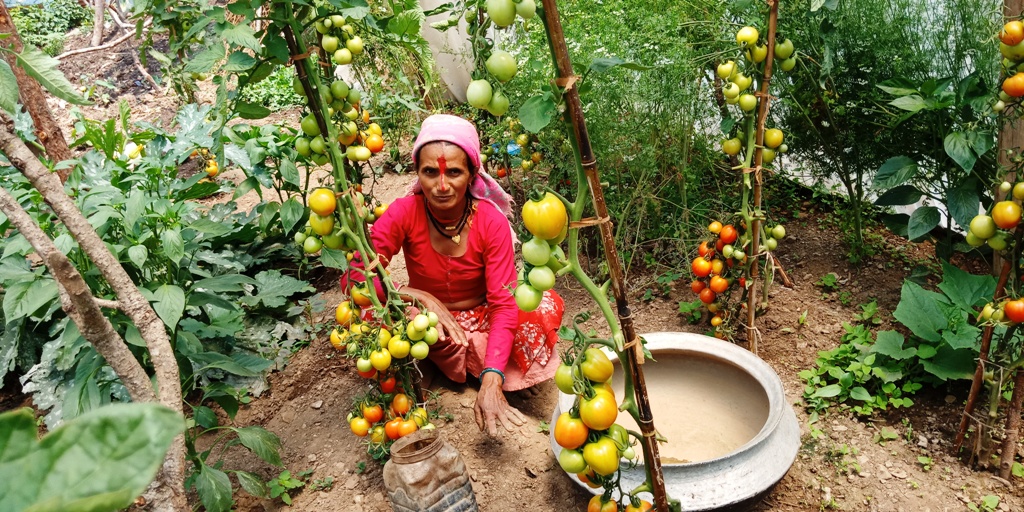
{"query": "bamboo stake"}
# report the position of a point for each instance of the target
(755, 224)
(652, 459)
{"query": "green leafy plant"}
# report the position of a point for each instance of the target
(691, 310)
(46, 25)
(886, 434)
(829, 282)
(988, 503)
(925, 462)
(125, 446)
(283, 485)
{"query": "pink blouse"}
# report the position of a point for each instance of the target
(487, 269)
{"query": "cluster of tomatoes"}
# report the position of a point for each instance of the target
(338, 39)
(593, 445)
(501, 66)
(387, 415)
(994, 228)
(326, 227)
(1011, 46)
(772, 145)
(739, 80)
(716, 256)
(548, 221)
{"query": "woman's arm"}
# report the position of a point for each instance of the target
(447, 326)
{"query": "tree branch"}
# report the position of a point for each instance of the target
(109, 45)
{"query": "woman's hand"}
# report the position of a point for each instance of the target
(492, 408)
(446, 324)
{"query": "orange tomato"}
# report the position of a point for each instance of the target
(588, 478)
(366, 117)
(645, 506)
(701, 267)
(1014, 310)
(344, 314)
(372, 413)
(718, 284)
(401, 404)
(715, 227)
(1014, 85)
(704, 249)
(716, 266)
(393, 428)
(1012, 33)
(599, 504)
(361, 296)
(599, 412)
(359, 426)
(707, 296)
(407, 427)
(374, 143)
(697, 286)
(716, 321)
(1006, 214)
(570, 432)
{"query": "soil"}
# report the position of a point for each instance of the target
(846, 468)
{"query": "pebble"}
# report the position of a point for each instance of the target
(899, 473)
(352, 482)
(950, 399)
(287, 415)
(318, 404)
(883, 474)
(922, 441)
(467, 403)
(311, 457)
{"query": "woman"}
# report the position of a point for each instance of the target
(454, 229)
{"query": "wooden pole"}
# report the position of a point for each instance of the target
(574, 111)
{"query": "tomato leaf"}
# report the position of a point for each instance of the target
(238, 61)
(354, 9)
(240, 35)
(894, 172)
(251, 110)
(101, 460)
(252, 484)
(605, 64)
(911, 103)
(901, 195)
(205, 60)
(828, 4)
(922, 221)
(292, 212)
(958, 148)
(333, 258)
(537, 112)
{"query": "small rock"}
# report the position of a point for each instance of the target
(530, 473)
(318, 404)
(950, 399)
(851, 478)
(840, 428)
(357, 499)
(922, 441)
(826, 495)
(287, 415)
(352, 482)
(888, 463)
(1003, 506)
(883, 474)
(311, 457)
(467, 403)
(899, 473)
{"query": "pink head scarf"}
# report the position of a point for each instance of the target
(462, 133)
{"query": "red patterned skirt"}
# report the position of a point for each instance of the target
(533, 359)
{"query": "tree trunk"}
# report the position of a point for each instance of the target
(97, 21)
(169, 483)
(34, 99)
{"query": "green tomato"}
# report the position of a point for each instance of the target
(431, 335)
(563, 379)
(779, 232)
(339, 89)
(334, 240)
(358, 153)
(536, 251)
(322, 226)
(747, 36)
(432, 318)
(784, 50)
(363, 364)
(420, 350)
(299, 237)
(748, 102)
(312, 245)
(479, 93)
(297, 86)
(317, 145)
(302, 146)
(329, 43)
(342, 56)
(998, 242)
(527, 297)
(501, 12)
(596, 366)
(355, 45)
(542, 278)
(732, 146)
(973, 240)
(767, 156)
(498, 104)
(731, 91)
(310, 126)
(322, 28)
(983, 227)
(771, 244)
(726, 69)
(526, 9)
(502, 65)
(788, 64)
(354, 95)
(572, 461)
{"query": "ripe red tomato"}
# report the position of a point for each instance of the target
(704, 249)
(697, 286)
(707, 296)
(1014, 310)
(373, 413)
(387, 385)
(407, 427)
(570, 432)
(393, 428)
(1006, 214)
(501, 172)
(369, 374)
(728, 234)
(1014, 85)
(701, 267)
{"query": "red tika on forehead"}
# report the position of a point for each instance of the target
(442, 164)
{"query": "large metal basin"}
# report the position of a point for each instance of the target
(736, 435)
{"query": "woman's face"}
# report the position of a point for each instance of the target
(444, 175)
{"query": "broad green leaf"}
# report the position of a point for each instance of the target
(899, 196)
(8, 88)
(289, 173)
(241, 35)
(101, 460)
(922, 221)
(963, 202)
(214, 489)
(292, 212)
(890, 343)
(173, 245)
(276, 46)
(333, 258)
(537, 112)
(252, 484)
(169, 304)
(205, 417)
(216, 361)
(273, 289)
(963, 336)
(251, 110)
(205, 60)
(910, 103)
(247, 185)
(951, 364)
(209, 227)
(859, 393)
(238, 62)
(983, 140)
(353, 9)
(266, 445)
(897, 88)
(604, 64)
(894, 172)
(926, 351)
(406, 25)
(827, 392)
(137, 254)
(960, 150)
(224, 283)
(45, 70)
(919, 311)
(964, 289)
(27, 298)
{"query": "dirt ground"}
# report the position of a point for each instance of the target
(846, 469)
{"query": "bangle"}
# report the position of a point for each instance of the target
(493, 370)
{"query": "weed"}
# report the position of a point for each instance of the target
(829, 282)
(925, 462)
(988, 504)
(691, 310)
(360, 467)
(543, 427)
(885, 435)
(285, 484)
(323, 484)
